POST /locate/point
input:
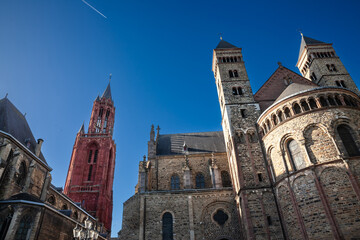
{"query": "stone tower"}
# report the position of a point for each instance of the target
(91, 171)
(249, 172)
(319, 62)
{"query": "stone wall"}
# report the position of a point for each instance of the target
(193, 214)
(319, 199)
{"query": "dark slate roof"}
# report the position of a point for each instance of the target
(26, 197)
(13, 122)
(224, 44)
(293, 89)
(204, 142)
(306, 41)
(107, 92)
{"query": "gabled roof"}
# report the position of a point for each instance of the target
(276, 84)
(13, 122)
(204, 142)
(224, 44)
(107, 92)
(294, 88)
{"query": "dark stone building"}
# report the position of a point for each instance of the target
(30, 207)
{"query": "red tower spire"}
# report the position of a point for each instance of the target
(91, 171)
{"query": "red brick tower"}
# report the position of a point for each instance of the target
(91, 171)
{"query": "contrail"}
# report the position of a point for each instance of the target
(94, 8)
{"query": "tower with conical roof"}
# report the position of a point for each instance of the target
(249, 171)
(91, 170)
(319, 62)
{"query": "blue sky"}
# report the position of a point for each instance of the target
(56, 56)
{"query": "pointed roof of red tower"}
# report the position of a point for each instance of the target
(107, 92)
(224, 44)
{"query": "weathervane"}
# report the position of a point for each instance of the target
(110, 77)
(220, 34)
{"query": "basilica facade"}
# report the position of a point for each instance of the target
(285, 166)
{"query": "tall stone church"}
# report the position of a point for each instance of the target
(285, 166)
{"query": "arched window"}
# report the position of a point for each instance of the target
(295, 154)
(64, 207)
(348, 140)
(305, 105)
(240, 91)
(231, 74)
(21, 177)
(323, 102)
(265, 129)
(236, 73)
(331, 101)
(312, 103)
(167, 226)
(353, 102)
(234, 91)
(274, 120)
(280, 116)
(76, 216)
(23, 232)
(106, 120)
(90, 172)
(175, 182)
(297, 108)
(346, 100)
(90, 156)
(225, 178)
(342, 83)
(239, 137)
(51, 200)
(200, 181)
(287, 112)
(96, 155)
(252, 137)
(338, 101)
(268, 124)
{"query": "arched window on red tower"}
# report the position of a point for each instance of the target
(106, 120)
(98, 122)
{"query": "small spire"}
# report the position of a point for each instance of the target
(6, 95)
(82, 129)
(110, 77)
(279, 63)
(144, 157)
(24, 114)
(158, 130)
(157, 133)
(152, 133)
